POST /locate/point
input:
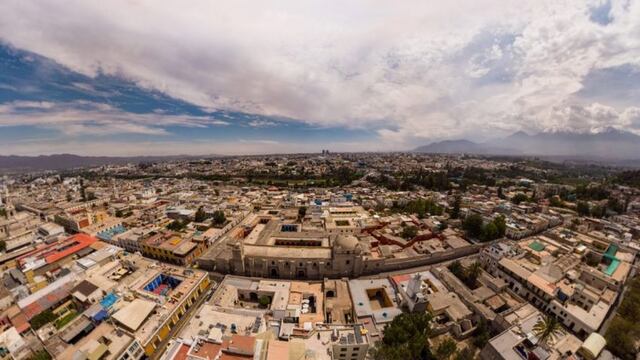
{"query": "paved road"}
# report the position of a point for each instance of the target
(182, 322)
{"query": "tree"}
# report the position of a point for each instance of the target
(500, 193)
(456, 269)
(624, 332)
(501, 225)
(621, 339)
(83, 194)
(481, 335)
(264, 301)
(200, 215)
(302, 212)
(455, 210)
(406, 337)
(518, 198)
(42, 319)
(218, 217)
(468, 353)
(547, 329)
(176, 225)
(469, 276)
(409, 232)
(489, 232)
(473, 272)
(614, 204)
(472, 224)
(583, 208)
(555, 201)
(598, 211)
(446, 349)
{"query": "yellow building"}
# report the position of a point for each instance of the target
(172, 248)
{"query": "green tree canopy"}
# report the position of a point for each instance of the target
(547, 329)
(42, 319)
(518, 198)
(446, 349)
(583, 208)
(455, 209)
(302, 212)
(264, 301)
(472, 224)
(406, 337)
(490, 231)
(218, 217)
(200, 215)
(501, 225)
(177, 225)
(409, 232)
(468, 275)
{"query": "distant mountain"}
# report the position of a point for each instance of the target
(463, 146)
(69, 161)
(608, 144)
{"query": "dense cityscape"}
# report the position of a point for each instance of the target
(321, 256)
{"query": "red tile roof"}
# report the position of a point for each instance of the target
(397, 279)
(59, 250)
(207, 350)
(182, 353)
(20, 322)
(239, 345)
(82, 240)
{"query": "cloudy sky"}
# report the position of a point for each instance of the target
(233, 77)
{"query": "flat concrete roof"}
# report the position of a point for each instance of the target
(134, 313)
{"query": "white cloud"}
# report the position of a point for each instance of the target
(262, 123)
(591, 118)
(414, 70)
(82, 118)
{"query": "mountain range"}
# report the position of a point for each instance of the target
(608, 144)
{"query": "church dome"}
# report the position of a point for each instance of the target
(347, 242)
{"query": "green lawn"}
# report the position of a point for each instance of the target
(61, 322)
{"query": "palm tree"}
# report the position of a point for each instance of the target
(547, 329)
(474, 270)
(472, 273)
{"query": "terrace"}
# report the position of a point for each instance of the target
(108, 234)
